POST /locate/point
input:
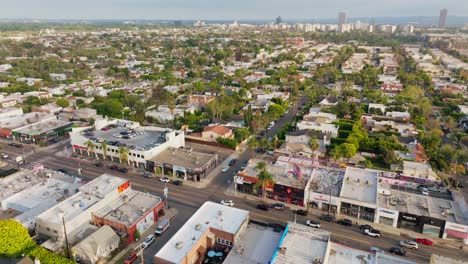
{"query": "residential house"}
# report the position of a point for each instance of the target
(212, 133)
(97, 247)
(329, 129)
(328, 101)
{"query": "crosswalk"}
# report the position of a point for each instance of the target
(39, 162)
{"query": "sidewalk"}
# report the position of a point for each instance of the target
(404, 233)
(169, 213)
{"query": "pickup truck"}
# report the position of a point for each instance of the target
(372, 232)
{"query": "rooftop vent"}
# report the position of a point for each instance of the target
(179, 245)
(198, 227)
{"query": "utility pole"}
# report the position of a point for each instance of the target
(67, 246)
(140, 252)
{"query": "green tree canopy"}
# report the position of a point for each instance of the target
(14, 238)
(63, 102)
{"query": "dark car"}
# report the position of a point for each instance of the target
(17, 145)
(327, 218)
(364, 227)
(114, 167)
(123, 170)
(63, 170)
(278, 206)
(98, 164)
(147, 175)
(263, 207)
(301, 212)
(398, 251)
(232, 162)
(178, 182)
(345, 222)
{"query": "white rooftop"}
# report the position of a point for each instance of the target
(255, 245)
(344, 254)
(89, 195)
(209, 215)
(360, 185)
(302, 245)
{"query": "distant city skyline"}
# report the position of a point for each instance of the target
(226, 10)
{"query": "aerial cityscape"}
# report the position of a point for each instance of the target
(270, 132)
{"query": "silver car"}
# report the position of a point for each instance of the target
(409, 244)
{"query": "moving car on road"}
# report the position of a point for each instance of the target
(178, 182)
(301, 212)
(123, 170)
(263, 207)
(98, 164)
(372, 232)
(278, 206)
(225, 168)
(313, 224)
(398, 251)
(244, 165)
(150, 239)
(227, 202)
(364, 227)
(16, 145)
(4, 156)
(425, 241)
(409, 244)
(147, 175)
(164, 179)
(327, 218)
(345, 222)
(376, 249)
(232, 162)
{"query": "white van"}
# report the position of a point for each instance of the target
(270, 126)
(162, 226)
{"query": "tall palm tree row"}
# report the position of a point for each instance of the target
(264, 177)
(90, 147)
(104, 150)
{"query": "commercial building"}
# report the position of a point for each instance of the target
(42, 131)
(109, 137)
(443, 18)
(341, 21)
(75, 213)
(129, 213)
(213, 227)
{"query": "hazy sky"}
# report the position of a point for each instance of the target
(224, 9)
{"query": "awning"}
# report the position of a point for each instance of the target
(457, 234)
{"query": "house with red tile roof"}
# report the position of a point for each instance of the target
(211, 133)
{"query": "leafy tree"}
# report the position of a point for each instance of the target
(123, 154)
(347, 150)
(229, 142)
(313, 143)
(253, 144)
(241, 134)
(389, 156)
(14, 238)
(276, 110)
(63, 102)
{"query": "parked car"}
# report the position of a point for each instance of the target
(398, 251)
(313, 224)
(425, 241)
(147, 175)
(178, 182)
(376, 250)
(64, 170)
(164, 179)
(364, 227)
(131, 258)
(372, 232)
(16, 145)
(263, 207)
(327, 218)
(4, 156)
(278, 206)
(113, 167)
(98, 164)
(163, 225)
(244, 165)
(227, 202)
(232, 162)
(301, 212)
(424, 191)
(225, 168)
(123, 170)
(409, 244)
(150, 239)
(345, 222)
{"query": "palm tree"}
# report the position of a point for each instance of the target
(171, 105)
(314, 144)
(90, 147)
(264, 177)
(252, 143)
(123, 154)
(104, 150)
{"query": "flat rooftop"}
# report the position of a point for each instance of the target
(343, 254)
(360, 185)
(326, 180)
(419, 204)
(42, 127)
(129, 208)
(183, 158)
(209, 215)
(256, 245)
(143, 140)
(302, 245)
(88, 195)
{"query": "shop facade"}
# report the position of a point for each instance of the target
(457, 232)
(386, 216)
(323, 202)
(288, 194)
(359, 210)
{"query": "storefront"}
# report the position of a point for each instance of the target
(387, 217)
(358, 211)
(432, 226)
(456, 232)
(409, 221)
(288, 194)
(322, 201)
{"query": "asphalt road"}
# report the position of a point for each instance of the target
(187, 200)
